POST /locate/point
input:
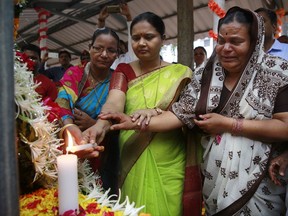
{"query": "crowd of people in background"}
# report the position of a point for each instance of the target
(173, 137)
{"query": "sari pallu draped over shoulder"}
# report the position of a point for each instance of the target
(76, 92)
(153, 164)
(233, 164)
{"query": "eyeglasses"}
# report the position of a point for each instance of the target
(109, 51)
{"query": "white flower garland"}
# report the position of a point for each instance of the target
(45, 149)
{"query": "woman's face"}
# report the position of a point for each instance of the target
(103, 52)
(146, 41)
(233, 46)
(199, 56)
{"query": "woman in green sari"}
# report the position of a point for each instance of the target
(152, 164)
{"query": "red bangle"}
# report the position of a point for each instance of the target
(237, 126)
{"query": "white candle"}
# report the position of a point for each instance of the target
(76, 148)
(67, 183)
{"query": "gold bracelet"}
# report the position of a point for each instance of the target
(158, 110)
(63, 129)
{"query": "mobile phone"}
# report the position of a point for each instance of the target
(52, 55)
(113, 9)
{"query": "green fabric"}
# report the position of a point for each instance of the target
(156, 179)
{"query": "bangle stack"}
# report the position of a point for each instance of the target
(237, 126)
(63, 129)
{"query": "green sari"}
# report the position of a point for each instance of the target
(153, 165)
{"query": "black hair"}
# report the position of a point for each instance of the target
(202, 48)
(84, 55)
(31, 47)
(106, 31)
(271, 14)
(236, 14)
(123, 43)
(64, 51)
(153, 20)
(239, 15)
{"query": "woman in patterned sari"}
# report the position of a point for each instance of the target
(81, 96)
(238, 99)
(152, 164)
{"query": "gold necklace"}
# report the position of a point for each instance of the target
(95, 82)
(143, 89)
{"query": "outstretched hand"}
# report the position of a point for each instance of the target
(77, 136)
(90, 152)
(124, 122)
(143, 116)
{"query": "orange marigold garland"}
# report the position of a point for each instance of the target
(212, 34)
(16, 26)
(216, 8)
(219, 12)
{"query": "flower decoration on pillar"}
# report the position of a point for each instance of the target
(19, 6)
(215, 8)
(280, 14)
(42, 20)
(212, 34)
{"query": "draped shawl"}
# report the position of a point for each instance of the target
(233, 164)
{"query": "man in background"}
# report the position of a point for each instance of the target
(271, 45)
(56, 73)
(46, 88)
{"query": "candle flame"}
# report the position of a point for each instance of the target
(70, 141)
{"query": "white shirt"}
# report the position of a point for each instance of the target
(128, 56)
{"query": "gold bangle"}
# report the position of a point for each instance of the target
(63, 129)
(158, 110)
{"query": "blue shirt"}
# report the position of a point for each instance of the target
(54, 73)
(279, 49)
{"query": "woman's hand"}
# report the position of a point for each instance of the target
(97, 132)
(74, 131)
(124, 121)
(214, 123)
(90, 152)
(277, 167)
(143, 116)
(83, 120)
(77, 136)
